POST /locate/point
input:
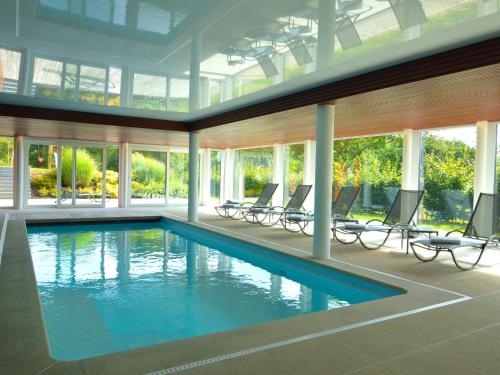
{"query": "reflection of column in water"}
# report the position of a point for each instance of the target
(202, 260)
(223, 263)
(103, 254)
(58, 257)
(319, 300)
(276, 286)
(305, 298)
(123, 266)
(73, 258)
(191, 253)
(190, 303)
(166, 250)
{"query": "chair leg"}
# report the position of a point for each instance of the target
(455, 260)
(366, 246)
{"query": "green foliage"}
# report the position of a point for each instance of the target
(256, 166)
(43, 182)
(146, 169)
(148, 175)
(85, 167)
(6, 152)
(178, 177)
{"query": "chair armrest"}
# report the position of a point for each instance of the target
(454, 231)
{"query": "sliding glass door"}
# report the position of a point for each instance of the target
(70, 175)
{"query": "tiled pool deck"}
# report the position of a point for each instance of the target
(448, 322)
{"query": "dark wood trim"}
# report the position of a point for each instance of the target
(90, 118)
(464, 58)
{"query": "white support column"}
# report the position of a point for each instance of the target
(309, 169)
(25, 73)
(323, 180)
(124, 176)
(205, 177)
(227, 175)
(228, 89)
(194, 141)
(194, 72)
(486, 7)
(19, 174)
(126, 88)
(484, 173)
(411, 159)
(326, 33)
(278, 173)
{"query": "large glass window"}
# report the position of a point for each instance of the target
(178, 100)
(6, 172)
(89, 178)
(375, 164)
(150, 92)
(178, 178)
(294, 168)
(215, 175)
(47, 78)
(253, 169)
(42, 162)
(114, 86)
(215, 91)
(10, 62)
(148, 177)
(92, 84)
(447, 177)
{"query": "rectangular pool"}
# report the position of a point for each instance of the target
(109, 287)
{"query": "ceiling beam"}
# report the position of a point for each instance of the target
(464, 58)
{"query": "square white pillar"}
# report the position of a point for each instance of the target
(124, 176)
(194, 161)
(485, 168)
(205, 177)
(411, 159)
(279, 173)
(309, 169)
(19, 173)
(323, 180)
(227, 175)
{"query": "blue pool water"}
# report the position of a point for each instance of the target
(113, 287)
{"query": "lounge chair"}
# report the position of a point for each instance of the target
(467, 250)
(233, 209)
(398, 218)
(270, 216)
(340, 209)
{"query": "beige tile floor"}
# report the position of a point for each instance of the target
(432, 329)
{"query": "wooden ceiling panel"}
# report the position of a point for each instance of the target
(450, 100)
(11, 126)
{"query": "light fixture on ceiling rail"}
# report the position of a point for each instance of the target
(275, 33)
(409, 13)
(240, 50)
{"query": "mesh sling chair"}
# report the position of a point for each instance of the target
(398, 218)
(272, 215)
(233, 209)
(340, 209)
(466, 251)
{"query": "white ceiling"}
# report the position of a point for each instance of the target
(154, 37)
